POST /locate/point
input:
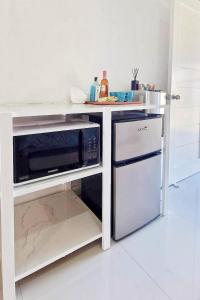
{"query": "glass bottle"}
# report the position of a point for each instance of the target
(104, 86)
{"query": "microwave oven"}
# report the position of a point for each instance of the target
(41, 151)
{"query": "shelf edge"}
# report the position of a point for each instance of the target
(48, 183)
(56, 258)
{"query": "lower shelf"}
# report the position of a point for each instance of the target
(50, 228)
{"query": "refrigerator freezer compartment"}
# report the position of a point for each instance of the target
(136, 139)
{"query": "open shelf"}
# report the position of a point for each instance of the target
(46, 128)
(45, 183)
(50, 228)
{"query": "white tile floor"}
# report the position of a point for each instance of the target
(159, 262)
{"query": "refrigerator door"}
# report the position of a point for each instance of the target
(136, 195)
(137, 138)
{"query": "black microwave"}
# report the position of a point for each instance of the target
(44, 152)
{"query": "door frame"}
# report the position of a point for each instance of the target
(172, 68)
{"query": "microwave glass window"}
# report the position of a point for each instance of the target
(48, 151)
(51, 150)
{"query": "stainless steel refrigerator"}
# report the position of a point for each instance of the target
(136, 171)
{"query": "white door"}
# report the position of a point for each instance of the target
(185, 81)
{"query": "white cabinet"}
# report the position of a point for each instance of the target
(50, 227)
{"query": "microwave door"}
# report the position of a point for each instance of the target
(44, 154)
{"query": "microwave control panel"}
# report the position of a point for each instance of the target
(91, 149)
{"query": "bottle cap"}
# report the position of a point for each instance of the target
(95, 78)
(104, 74)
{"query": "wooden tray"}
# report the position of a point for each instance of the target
(113, 103)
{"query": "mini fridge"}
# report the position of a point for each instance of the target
(136, 171)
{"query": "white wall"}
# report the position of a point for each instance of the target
(50, 45)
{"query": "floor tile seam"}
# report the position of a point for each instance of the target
(149, 276)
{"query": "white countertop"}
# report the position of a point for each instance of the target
(23, 110)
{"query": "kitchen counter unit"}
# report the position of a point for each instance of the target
(18, 259)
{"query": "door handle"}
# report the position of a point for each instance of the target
(176, 97)
(173, 97)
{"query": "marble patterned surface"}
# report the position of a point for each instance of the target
(49, 226)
